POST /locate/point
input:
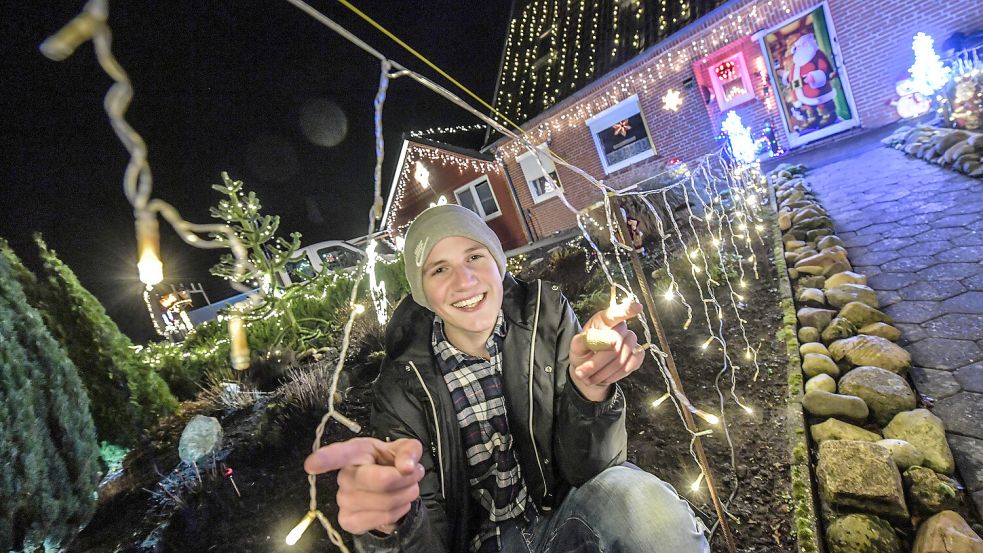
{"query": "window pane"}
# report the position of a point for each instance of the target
(466, 199)
(335, 258)
(485, 197)
(300, 269)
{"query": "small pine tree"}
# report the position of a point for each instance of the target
(126, 395)
(49, 452)
(268, 253)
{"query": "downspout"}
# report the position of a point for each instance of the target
(518, 205)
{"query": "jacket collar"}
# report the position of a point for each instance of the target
(409, 331)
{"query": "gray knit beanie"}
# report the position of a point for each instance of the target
(432, 226)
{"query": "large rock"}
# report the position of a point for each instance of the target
(822, 382)
(808, 334)
(838, 329)
(930, 492)
(828, 242)
(813, 281)
(947, 532)
(904, 454)
(825, 404)
(861, 314)
(831, 257)
(883, 330)
(860, 475)
(871, 351)
(925, 431)
(815, 317)
(817, 363)
(862, 534)
(812, 297)
(813, 347)
(835, 429)
(885, 393)
(201, 437)
(838, 296)
(846, 277)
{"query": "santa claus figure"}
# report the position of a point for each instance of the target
(810, 78)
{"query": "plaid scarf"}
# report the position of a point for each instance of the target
(493, 471)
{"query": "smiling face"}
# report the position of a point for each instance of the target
(464, 286)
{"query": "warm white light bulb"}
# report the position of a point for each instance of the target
(661, 400)
(359, 309)
(709, 417)
(301, 527)
(695, 486)
(707, 343)
(669, 295)
(693, 254)
(150, 267)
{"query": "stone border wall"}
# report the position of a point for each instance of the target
(803, 500)
(954, 149)
(882, 464)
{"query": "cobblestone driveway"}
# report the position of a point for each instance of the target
(916, 231)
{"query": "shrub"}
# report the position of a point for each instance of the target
(49, 452)
(127, 396)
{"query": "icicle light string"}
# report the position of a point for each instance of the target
(138, 181)
(91, 24)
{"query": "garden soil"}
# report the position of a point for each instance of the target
(161, 505)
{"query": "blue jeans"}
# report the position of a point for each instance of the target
(621, 510)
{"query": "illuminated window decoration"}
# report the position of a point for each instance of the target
(739, 137)
(672, 100)
(731, 82)
(813, 93)
(927, 73)
(535, 168)
(726, 71)
(620, 135)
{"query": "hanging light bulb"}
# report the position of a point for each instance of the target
(149, 265)
(709, 417)
(301, 527)
(238, 345)
(661, 400)
(695, 486)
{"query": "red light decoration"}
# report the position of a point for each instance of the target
(726, 71)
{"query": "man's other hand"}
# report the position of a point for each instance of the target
(377, 481)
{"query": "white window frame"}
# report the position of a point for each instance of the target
(622, 110)
(546, 161)
(470, 187)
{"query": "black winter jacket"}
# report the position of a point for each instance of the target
(562, 441)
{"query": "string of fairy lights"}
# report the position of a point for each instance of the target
(654, 71)
(521, 67)
(715, 175)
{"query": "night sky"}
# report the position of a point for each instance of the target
(253, 88)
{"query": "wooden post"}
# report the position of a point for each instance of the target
(653, 316)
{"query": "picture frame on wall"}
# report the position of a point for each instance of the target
(731, 81)
(621, 135)
(808, 78)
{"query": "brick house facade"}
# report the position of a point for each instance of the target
(874, 39)
(458, 175)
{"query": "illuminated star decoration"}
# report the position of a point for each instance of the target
(621, 128)
(672, 100)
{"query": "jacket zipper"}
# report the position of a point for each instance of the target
(532, 353)
(433, 408)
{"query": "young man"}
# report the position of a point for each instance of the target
(497, 428)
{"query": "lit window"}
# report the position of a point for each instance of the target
(539, 186)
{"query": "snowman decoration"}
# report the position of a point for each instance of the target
(810, 79)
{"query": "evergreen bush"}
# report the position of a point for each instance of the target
(49, 452)
(126, 395)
